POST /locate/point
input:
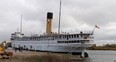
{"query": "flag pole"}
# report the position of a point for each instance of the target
(21, 25)
(93, 30)
(59, 17)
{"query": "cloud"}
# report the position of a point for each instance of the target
(101, 12)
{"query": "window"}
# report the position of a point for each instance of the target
(74, 36)
(60, 37)
(74, 41)
(78, 41)
(77, 36)
(65, 36)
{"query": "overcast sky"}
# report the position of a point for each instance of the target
(76, 15)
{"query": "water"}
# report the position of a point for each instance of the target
(101, 56)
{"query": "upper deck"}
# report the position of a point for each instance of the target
(64, 36)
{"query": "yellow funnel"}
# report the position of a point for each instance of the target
(49, 23)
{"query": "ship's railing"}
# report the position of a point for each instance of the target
(78, 32)
(71, 32)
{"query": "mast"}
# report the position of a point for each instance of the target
(59, 17)
(21, 25)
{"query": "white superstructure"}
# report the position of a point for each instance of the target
(73, 43)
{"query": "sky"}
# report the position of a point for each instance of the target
(76, 15)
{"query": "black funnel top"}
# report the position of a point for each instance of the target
(49, 15)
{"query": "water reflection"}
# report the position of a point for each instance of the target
(101, 56)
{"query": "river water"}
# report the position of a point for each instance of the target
(101, 56)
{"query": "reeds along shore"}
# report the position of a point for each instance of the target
(41, 58)
(47, 58)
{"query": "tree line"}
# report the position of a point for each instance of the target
(103, 47)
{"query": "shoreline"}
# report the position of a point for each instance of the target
(33, 56)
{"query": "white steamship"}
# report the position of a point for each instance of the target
(54, 42)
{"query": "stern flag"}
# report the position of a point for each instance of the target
(97, 27)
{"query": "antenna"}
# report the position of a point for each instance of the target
(59, 18)
(21, 25)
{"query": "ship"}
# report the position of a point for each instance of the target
(73, 43)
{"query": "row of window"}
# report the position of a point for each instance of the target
(69, 36)
(47, 37)
(75, 41)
